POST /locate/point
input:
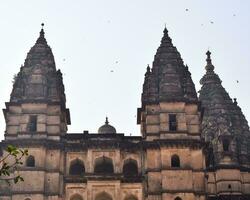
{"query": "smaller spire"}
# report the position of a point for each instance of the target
(148, 70)
(235, 101)
(210, 76)
(209, 66)
(41, 39)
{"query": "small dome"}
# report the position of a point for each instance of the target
(106, 128)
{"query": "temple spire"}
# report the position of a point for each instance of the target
(168, 79)
(38, 78)
(222, 112)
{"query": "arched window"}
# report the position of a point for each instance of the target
(27, 199)
(225, 144)
(30, 162)
(104, 165)
(76, 197)
(76, 167)
(175, 161)
(130, 168)
(177, 198)
(103, 196)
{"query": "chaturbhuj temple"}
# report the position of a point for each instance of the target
(192, 147)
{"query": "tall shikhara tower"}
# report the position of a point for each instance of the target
(36, 118)
(170, 119)
(190, 148)
(226, 131)
(37, 101)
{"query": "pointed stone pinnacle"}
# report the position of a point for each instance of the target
(209, 66)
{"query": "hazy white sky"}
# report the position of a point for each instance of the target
(90, 39)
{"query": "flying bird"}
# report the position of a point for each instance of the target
(187, 9)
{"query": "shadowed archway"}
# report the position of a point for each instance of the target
(76, 197)
(103, 165)
(103, 196)
(76, 167)
(30, 162)
(130, 168)
(175, 161)
(130, 197)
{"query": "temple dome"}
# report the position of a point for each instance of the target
(106, 128)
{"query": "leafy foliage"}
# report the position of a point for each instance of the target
(9, 164)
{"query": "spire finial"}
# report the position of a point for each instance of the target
(41, 39)
(107, 121)
(165, 37)
(42, 31)
(209, 66)
(208, 57)
(165, 31)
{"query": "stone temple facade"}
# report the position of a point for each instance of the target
(191, 147)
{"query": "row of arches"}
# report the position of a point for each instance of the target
(103, 196)
(104, 165)
(106, 196)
